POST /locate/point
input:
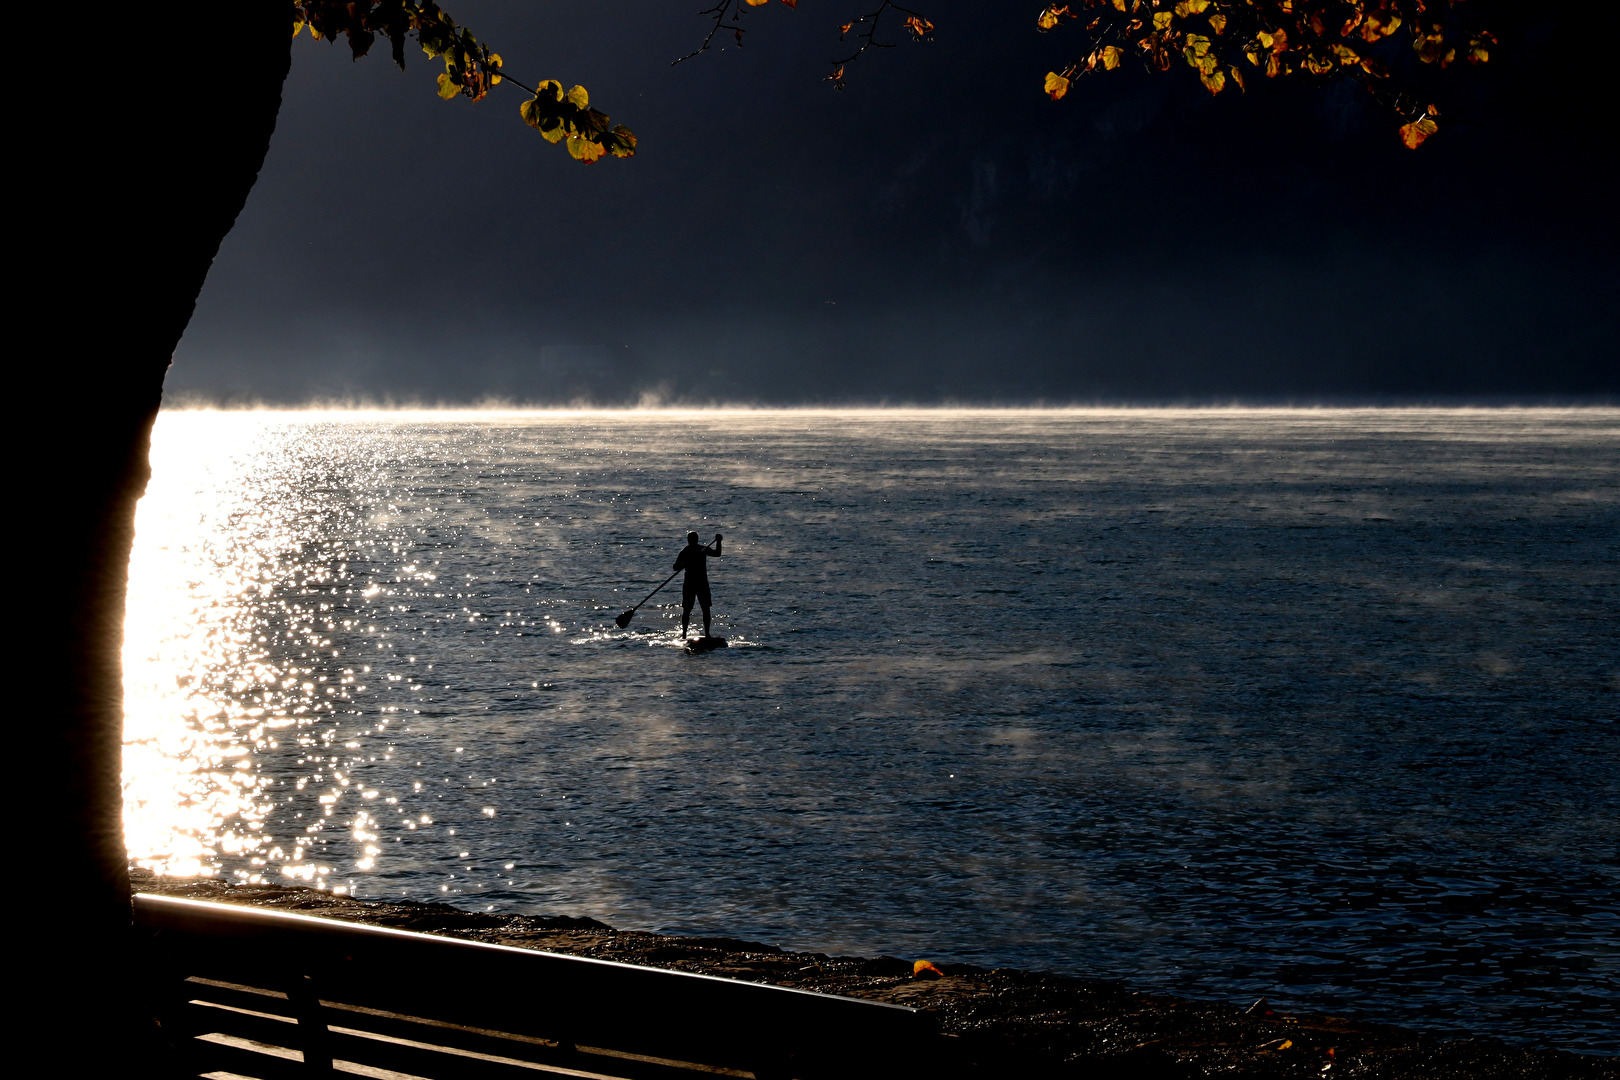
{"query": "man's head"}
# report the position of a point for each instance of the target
(691, 538)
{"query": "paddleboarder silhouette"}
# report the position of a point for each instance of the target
(694, 559)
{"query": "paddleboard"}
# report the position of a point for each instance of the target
(705, 644)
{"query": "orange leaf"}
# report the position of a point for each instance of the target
(1417, 132)
(1056, 86)
(924, 965)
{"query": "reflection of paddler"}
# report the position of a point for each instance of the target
(694, 559)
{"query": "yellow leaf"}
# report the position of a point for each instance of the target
(1237, 77)
(298, 26)
(1415, 133)
(1049, 16)
(1218, 23)
(1162, 19)
(1119, 5)
(1214, 81)
(1379, 25)
(578, 98)
(584, 149)
(1264, 39)
(1056, 86)
(1190, 7)
(623, 142)
(1111, 57)
(447, 88)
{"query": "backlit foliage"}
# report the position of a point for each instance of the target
(471, 70)
(1226, 41)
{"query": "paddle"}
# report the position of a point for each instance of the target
(629, 613)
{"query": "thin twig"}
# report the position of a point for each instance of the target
(871, 33)
(719, 12)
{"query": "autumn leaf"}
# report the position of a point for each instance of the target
(1218, 23)
(1056, 86)
(1416, 133)
(1318, 65)
(584, 150)
(1049, 16)
(757, 3)
(1112, 55)
(924, 965)
(1162, 20)
(1379, 25)
(1214, 81)
(919, 26)
(621, 141)
(447, 86)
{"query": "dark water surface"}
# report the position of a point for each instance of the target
(1319, 705)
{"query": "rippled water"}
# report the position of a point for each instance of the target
(1318, 705)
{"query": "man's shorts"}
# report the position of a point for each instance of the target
(698, 592)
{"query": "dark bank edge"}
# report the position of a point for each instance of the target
(992, 1022)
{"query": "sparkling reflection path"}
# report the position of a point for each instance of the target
(1318, 705)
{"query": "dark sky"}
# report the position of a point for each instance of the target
(939, 231)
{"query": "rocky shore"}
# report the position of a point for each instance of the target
(994, 1023)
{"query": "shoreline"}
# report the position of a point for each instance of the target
(991, 1021)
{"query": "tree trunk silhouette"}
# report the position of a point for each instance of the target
(160, 144)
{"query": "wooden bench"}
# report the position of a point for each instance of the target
(247, 992)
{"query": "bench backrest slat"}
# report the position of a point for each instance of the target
(377, 979)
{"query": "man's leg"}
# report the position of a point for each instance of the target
(706, 616)
(687, 596)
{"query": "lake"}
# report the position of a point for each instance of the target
(1314, 704)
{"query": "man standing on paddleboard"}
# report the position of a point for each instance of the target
(694, 559)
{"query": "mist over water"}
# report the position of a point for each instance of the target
(1312, 704)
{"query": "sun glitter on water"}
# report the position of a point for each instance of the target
(201, 695)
